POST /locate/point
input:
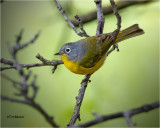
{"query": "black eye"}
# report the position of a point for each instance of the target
(67, 50)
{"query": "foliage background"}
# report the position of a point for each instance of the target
(128, 79)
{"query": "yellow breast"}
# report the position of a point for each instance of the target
(76, 68)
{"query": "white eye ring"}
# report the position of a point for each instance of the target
(67, 50)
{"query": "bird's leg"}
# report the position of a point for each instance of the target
(116, 46)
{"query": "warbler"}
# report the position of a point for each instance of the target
(87, 55)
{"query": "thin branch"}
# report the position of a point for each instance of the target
(100, 17)
(115, 33)
(79, 99)
(115, 10)
(34, 105)
(132, 112)
(8, 62)
(81, 25)
(27, 66)
(30, 41)
(44, 113)
(108, 10)
(18, 47)
(19, 37)
(54, 68)
(38, 56)
(82, 34)
(24, 86)
(15, 100)
(35, 87)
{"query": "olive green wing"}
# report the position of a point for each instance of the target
(96, 47)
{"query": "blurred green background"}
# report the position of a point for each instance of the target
(127, 80)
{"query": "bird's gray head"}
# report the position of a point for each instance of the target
(70, 50)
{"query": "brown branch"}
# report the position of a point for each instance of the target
(115, 33)
(27, 66)
(18, 47)
(35, 87)
(34, 105)
(23, 84)
(115, 10)
(126, 114)
(81, 25)
(100, 17)
(61, 10)
(44, 113)
(7, 62)
(15, 100)
(79, 99)
(108, 10)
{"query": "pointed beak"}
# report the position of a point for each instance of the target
(57, 53)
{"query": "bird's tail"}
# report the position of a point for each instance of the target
(129, 32)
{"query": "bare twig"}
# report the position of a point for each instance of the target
(34, 105)
(17, 45)
(44, 113)
(19, 37)
(79, 99)
(81, 25)
(114, 8)
(108, 10)
(54, 68)
(41, 58)
(100, 17)
(27, 66)
(35, 87)
(115, 33)
(23, 84)
(132, 112)
(7, 62)
(83, 34)
(15, 100)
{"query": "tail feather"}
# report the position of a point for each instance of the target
(129, 32)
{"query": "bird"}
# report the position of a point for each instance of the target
(87, 55)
